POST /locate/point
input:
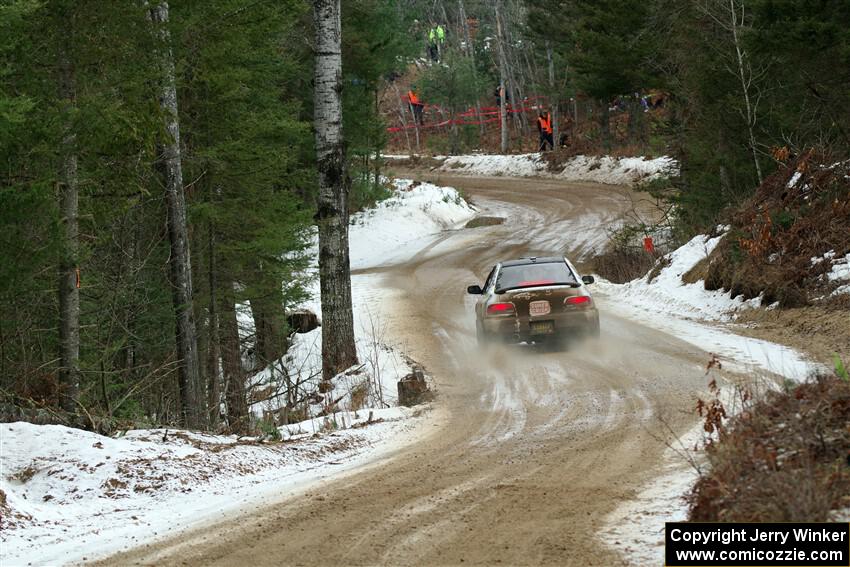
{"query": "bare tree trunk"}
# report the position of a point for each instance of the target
(191, 404)
(503, 116)
(269, 318)
(605, 125)
(745, 82)
(515, 95)
(69, 268)
(455, 134)
(377, 143)
(231, 358)
(744, 71)
(214, 349)
(338, 348)
(401, 115)
(515, 82)
(553, 95)
(416, 130)
(470, 51)
(131, 352)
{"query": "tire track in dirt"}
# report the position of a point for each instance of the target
(528, 451)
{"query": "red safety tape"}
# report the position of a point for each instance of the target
(485, 111)
(458, 121)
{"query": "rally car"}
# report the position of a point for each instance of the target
(534, 300)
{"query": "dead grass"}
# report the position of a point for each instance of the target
(660, 264)
(622, 265)
(24, 475)
(783, 459)
(359, 396)
(798, 213)
(697, 273)
(417, 162)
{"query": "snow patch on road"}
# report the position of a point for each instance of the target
(636, 527)
(604, 169)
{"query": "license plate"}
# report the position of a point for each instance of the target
(536, 308)
(542, 327)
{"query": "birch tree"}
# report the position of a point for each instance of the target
(192, 412)
(731, 16)
(69, 267)
(338, 348)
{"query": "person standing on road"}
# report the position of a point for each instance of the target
(544, 128)
(441, 39)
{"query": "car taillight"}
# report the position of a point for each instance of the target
(578, 301)
(500, 309)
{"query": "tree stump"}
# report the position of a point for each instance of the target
(302, 321)
(412, 389)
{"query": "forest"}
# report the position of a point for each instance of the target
(160, 174)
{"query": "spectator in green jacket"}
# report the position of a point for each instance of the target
(433, 49)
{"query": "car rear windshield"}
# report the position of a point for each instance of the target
(533, 275)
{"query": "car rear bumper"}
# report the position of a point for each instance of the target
(518, 329)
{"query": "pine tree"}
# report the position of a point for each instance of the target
(611, 55)
(68, 183)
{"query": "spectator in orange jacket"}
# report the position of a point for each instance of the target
(416, 106)
(544, 128)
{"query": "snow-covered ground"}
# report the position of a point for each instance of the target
(67, 494)
(405, 224)
(604, 169)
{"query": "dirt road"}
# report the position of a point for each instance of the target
(528, 451)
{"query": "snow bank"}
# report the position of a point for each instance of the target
(399, 227)
(617, 171)
(71, 494)
(669, 293)
(610, 170)
(684, 309)
(838, 273)
(396, 230)
(521, 165)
